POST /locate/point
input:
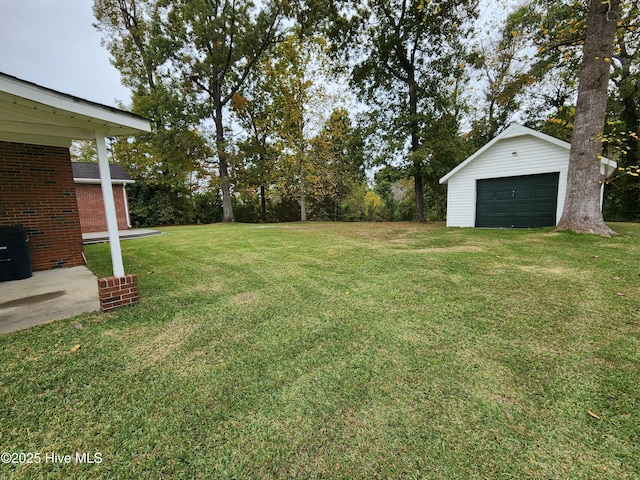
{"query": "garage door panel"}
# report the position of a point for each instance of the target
(545, 206)
(523, 193)
(524, 208)
(503, 196)
(503, 208)
(523, 201)
(547, 192)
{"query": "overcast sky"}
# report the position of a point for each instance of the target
(53, 44)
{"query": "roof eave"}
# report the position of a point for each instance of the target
(96, 181)
(81, 115)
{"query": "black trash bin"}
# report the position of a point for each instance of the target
(15, 256)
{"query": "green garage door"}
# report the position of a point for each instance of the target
(526, 201)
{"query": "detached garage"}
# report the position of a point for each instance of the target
(517, 180)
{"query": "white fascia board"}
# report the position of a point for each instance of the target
(96, 181)
(517, 130)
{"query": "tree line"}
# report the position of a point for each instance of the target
(287, 110)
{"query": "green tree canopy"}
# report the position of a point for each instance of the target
(409, 60)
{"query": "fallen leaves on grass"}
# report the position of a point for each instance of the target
(75, 348)
(597, 417)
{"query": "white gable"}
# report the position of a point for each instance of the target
(513, 131)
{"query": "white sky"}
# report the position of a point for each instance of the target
(53, 44)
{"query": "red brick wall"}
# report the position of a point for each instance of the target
(91, 208)
(117, 292)
(37, 190)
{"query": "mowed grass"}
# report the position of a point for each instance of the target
(349, 351)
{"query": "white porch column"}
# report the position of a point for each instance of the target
(109, 206)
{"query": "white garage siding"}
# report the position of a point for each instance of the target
(523, 155)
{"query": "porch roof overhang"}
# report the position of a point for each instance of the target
(33, 114)
(38, 115)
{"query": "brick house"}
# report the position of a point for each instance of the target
(89, 196)
(37, 189)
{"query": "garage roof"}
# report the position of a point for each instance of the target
(30, 113)
(515, 130)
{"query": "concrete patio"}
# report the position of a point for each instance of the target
(47, 296)
(101, 237)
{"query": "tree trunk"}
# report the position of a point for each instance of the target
(415, 146)
(419, 188)
(582, 211)
(263, 203)
(303, 207)
(302, 173)
(227, 206)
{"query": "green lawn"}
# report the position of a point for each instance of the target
(342, 351)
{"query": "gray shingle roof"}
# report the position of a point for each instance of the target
(90, 171)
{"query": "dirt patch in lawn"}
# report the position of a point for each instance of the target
(456, 248)
(167, 340)
(244, 298)
(546, 270)
(207, 288)
(403, 241)
(129, 334)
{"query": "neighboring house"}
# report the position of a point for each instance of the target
(518, 179)
(89, 196)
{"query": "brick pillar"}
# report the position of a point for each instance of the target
(117, 292)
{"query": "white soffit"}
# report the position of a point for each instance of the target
(33, 114)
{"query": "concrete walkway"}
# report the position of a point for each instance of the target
(47, 296)
(101, 237)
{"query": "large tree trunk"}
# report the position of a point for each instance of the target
(227, 206)
(415, 146)
(582, 203)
